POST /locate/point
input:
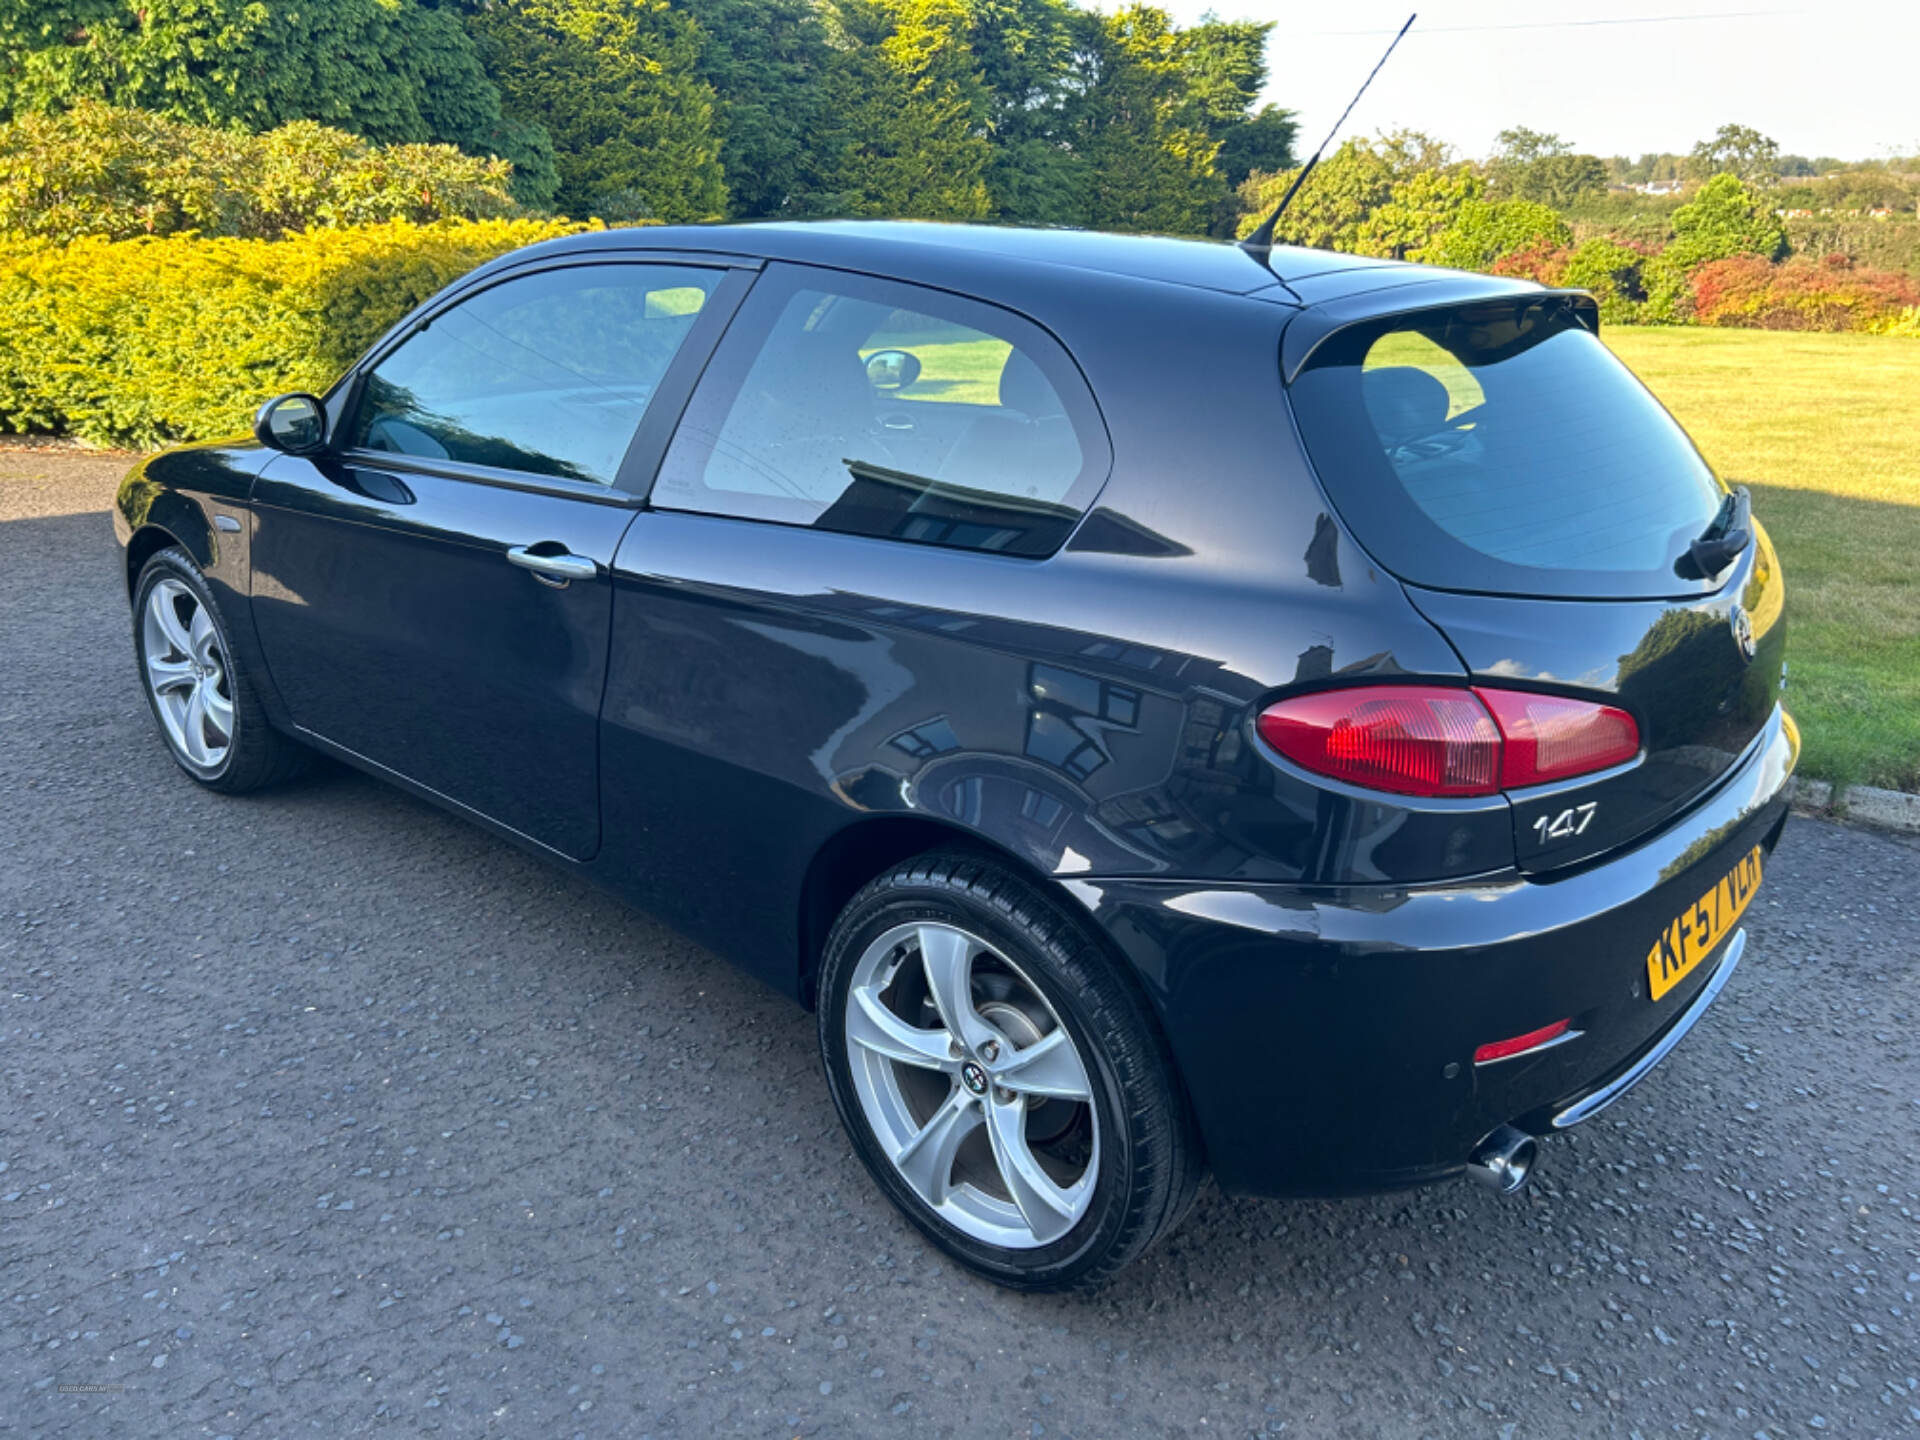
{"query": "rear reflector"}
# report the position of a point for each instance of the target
(1550, 737)
(1520, 1044)
(1439, 741)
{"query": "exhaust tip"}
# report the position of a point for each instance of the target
(1503, 1162)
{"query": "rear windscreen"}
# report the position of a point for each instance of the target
(1502, 448)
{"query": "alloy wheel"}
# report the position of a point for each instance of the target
(972, 1086)
(187, 674)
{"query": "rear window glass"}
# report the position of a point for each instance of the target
(1503, 449)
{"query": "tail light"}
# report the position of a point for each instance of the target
(1438, 741)
(1410, 739)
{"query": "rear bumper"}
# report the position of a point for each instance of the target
(1615, 1087)
(1326, 1036)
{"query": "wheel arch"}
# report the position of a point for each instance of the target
(145, 543)
(169, 518)
(856, 853)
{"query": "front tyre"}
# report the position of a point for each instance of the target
(999, 1078)
(201, 697)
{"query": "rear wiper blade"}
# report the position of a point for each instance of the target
(1726, 539)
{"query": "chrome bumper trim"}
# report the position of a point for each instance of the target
(1591, 1105)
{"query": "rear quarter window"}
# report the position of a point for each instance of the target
(874, 407)
(1503, 449)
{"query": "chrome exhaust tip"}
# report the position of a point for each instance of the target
(1504, 1160)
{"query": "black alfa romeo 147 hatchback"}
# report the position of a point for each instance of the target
(1310, 719)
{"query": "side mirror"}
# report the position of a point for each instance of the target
(892, 369)
(295, 423)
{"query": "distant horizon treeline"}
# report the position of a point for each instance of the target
(1724, 251)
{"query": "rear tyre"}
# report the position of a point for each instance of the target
(1001, 1080)
(201, 697)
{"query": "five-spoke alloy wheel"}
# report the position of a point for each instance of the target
(198, 688)
(186, 669)
(973, 1085)
(1000, 1077)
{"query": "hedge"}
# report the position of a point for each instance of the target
(144, 342)
(1829, 294)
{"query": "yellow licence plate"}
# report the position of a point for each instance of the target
(1702, 926)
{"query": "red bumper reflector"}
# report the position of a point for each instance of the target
(1520, 1044)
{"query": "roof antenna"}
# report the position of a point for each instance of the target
(1260, 242)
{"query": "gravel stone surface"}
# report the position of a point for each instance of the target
(327, 1114)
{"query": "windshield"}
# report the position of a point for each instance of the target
(1503, 449)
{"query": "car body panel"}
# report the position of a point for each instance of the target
(1315, 1028)
(196, 497)
(734, 707)
(1678, 666)
(1060, 711)
(396, 629)
(1396, 291)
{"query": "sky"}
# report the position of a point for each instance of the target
(1614, 77)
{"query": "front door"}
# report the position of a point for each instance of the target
(432, 592)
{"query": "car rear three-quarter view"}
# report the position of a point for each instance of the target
(1169, 710)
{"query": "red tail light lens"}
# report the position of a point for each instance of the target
(1550, 737)
(1409, 739)
(1436, 741)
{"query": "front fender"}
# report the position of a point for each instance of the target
(178, 493)
(198, 497)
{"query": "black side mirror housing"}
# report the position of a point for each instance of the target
(295, 423)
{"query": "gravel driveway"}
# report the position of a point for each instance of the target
(326, 1113)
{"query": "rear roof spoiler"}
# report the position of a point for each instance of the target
(1312, 327)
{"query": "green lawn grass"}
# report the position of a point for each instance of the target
(1826, 431)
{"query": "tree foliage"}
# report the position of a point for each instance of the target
(1264, 142)
(395, 71)
(766, 62)
(1722, 220)
(907, 109)
(1829, 294)
(1386, 196)
(614, 83)
(1482, 231)
(267, 117)
(1422, 208)
(1143, 136)
(1739, 150)
(1632, 286)
(1028, 110)
(1543, 168)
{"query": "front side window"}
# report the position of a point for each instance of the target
(875, 408)
(1502, 448)
(547, 374)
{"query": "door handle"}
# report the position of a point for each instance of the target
(554, 568)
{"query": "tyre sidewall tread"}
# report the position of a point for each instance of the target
(259, 755)
(1150, 1163)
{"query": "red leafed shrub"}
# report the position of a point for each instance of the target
(1829, 294)
(1543, 261)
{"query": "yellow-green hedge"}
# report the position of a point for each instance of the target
(140, 342)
